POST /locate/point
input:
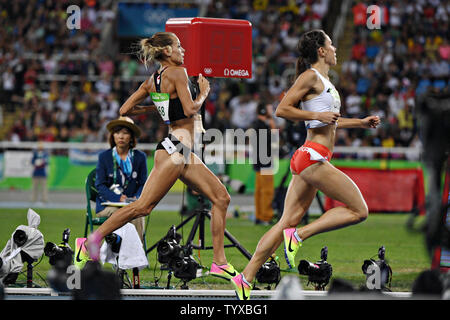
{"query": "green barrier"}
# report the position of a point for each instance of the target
(64, 175)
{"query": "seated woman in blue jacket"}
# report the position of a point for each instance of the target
(122, 170)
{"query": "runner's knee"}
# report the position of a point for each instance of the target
(142, 209)
(222, 200)
(291, 220)
(361, 212)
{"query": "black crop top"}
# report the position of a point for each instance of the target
(169, 109)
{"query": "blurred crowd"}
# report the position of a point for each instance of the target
(389, 67)
(66, 85)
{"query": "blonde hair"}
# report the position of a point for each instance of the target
(153, 48)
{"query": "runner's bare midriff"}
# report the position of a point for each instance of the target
(324, 135)
(183, 130)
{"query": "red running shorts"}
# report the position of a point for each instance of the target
(308, 154)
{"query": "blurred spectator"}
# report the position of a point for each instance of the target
(439, 68)
(110, 108)
(396, 12)
(64, 106)
(395, 103)
(359, 49)
(243, 111)
(39, 161)
(359, 11)
(128, 67)
(8, 80)
(18, 131)
(105, 66)
(444, 50)
(103, 85)
(320, 8)
(353, 104)
(405, 125)
(372, 49)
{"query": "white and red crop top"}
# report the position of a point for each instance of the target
(328, 101)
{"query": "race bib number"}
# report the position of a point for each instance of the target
(161, 101)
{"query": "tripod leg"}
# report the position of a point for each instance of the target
(202, 231)
(238, 245)
(136, 281)
(320, 202)
(196, 224)
(169, 277)
(234, 241)
(29, 275)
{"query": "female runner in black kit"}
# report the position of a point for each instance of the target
(177, 102)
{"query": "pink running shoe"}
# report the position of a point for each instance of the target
(93, 245)
(225, 271)
(292, 243)
(241, 287)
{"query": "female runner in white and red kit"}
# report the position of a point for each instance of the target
(311, 170)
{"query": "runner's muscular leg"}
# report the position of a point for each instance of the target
(201, 179)
(165, 172)
(337, 185)
(298, 199)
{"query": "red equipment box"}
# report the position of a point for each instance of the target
(215, 47)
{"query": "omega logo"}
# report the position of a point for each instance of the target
(232, 72)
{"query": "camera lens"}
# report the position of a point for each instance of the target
(180, 264)
(185, 268)
(269, 273)
(51, 249)
(114, 240)
(165, 251)
(164, 248)
(306, 267)
(20, 237)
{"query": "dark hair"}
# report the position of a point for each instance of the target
(307, 48)
(115, 129)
